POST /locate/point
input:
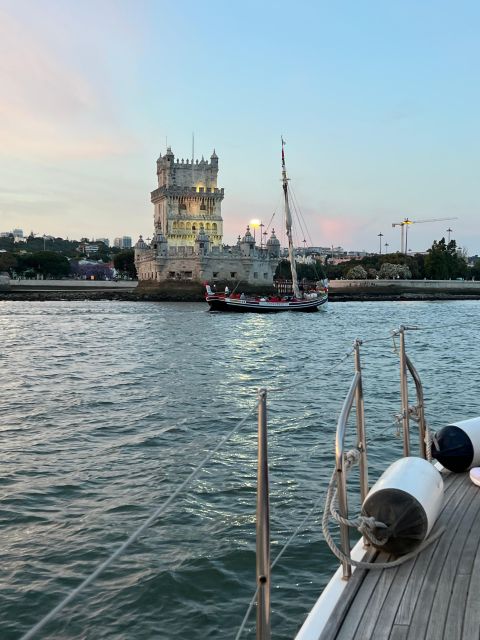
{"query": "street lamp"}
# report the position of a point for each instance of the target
(386, 245)
(380, 235)
(449, 231)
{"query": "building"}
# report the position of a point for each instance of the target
(125, 242)
(105, 241)
(188, 230)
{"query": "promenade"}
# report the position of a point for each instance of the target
(20, 286)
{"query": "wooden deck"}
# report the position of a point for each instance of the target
(434, 596)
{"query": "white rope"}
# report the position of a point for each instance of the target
(360, 564)
(124, 546)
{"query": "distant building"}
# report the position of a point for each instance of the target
(17, 235)
(105, 241)
(125, 242)
(188, 231)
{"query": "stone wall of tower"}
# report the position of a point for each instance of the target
(187, 200)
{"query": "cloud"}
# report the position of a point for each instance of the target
(47, 107)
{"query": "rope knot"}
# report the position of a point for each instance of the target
(352, 457)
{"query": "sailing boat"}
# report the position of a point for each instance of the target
(300, 301)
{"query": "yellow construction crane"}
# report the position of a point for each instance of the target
(404, 229)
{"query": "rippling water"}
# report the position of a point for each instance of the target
(106, 407)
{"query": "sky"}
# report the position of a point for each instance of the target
(378, 103)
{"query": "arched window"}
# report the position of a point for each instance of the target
(214, 226)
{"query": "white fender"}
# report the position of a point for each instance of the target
(457, 445)
(407, 498)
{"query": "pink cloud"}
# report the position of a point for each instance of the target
(47, 108)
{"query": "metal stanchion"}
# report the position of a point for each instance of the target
(263, 524)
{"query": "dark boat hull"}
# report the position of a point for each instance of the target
(250, 305)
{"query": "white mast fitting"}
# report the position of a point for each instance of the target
(288, 222)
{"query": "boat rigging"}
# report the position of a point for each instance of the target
(305, 301)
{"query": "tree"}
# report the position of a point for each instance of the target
(390, 271)
(474, 272)
(357, 273)
(8, 262)
(445, 261)
(98, 270)
(45, 263)
(124, 262)
(310, 272)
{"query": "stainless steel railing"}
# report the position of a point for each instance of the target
(263, 524)
(417, 412)
(354, 395)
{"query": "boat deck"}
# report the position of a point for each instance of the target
(433, 596)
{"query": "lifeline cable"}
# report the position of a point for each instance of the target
(124, 546)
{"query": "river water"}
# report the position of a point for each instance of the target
(106, 407)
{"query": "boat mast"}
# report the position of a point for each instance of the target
(288, 222)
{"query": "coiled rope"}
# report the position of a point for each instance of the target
(365, 526)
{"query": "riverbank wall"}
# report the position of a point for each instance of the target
(175, 291)
(345, 290)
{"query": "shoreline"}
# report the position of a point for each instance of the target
(173, 291)
(151, 296)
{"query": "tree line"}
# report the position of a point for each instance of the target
(55, 264)
(443, 261)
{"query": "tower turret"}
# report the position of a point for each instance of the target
(273, 245)
(247, 245)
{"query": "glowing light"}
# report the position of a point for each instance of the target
(255, 223)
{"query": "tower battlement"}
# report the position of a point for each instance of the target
(187, 173)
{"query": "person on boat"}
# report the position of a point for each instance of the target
(227, 290)
(242, 296)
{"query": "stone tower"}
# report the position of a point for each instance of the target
(188, 201)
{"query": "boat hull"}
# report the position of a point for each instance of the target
(252, 305)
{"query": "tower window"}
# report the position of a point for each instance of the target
(203, 207)
(233, 274)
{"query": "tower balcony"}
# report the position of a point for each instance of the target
(192, 193)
